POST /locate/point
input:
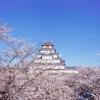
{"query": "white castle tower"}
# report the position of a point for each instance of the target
(48, 58)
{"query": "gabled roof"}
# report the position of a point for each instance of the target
(47, 43)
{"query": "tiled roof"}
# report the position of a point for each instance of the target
(47, 43)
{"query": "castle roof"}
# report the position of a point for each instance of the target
(48, 43)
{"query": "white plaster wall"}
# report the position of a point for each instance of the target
(46, 57)
(47, 61)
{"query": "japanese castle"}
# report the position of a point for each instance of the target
(48, 58)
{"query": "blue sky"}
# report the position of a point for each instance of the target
(73, 26)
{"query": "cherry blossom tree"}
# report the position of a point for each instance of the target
(18, 52)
